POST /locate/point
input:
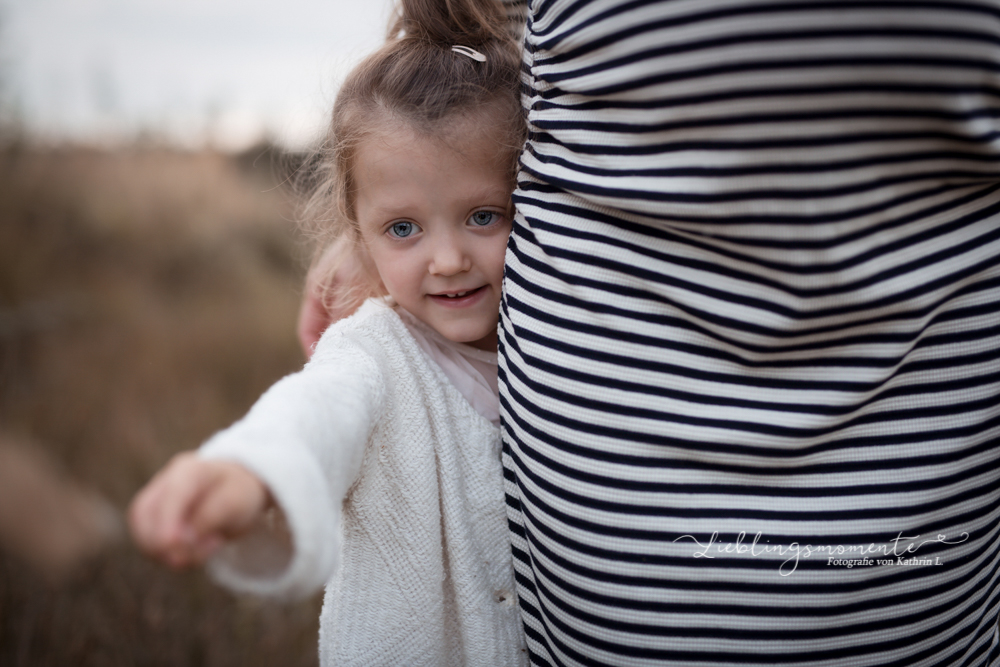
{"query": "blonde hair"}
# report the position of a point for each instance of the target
(416, 79)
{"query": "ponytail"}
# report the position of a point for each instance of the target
(469, 22)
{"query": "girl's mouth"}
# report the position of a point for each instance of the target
(458, 299)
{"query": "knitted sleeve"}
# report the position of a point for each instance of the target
(305, 438)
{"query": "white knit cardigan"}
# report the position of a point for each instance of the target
(392, 489)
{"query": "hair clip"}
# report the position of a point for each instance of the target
(472, 53)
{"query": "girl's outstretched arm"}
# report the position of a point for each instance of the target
(192, 506)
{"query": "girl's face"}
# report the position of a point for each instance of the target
(434, 220)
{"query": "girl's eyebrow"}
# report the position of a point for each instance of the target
(391, 206)
(486, 196)
(383, 209)
(493, 191)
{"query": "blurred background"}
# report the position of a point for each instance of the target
(150, 275)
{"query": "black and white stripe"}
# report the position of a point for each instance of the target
(754, 288)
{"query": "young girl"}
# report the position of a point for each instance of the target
(376, 469)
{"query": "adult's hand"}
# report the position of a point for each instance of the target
(335, 287)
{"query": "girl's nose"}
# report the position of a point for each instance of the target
(449, 259)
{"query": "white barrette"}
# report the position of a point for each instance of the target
(472, 53)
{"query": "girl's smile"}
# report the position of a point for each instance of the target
(459, 299)
(433, 215)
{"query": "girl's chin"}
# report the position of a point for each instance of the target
(483, 340)
(487, 343)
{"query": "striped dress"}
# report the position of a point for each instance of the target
(750, 334)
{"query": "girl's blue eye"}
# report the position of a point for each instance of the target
(402, 229)
(483, 218)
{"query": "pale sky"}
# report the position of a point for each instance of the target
(228, 71)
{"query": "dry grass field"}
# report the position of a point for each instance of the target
(147, 297)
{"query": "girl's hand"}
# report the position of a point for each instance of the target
(186, 512)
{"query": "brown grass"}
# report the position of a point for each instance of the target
(147, 297)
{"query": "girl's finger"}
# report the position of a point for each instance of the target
(236, 501)
(159, 517)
